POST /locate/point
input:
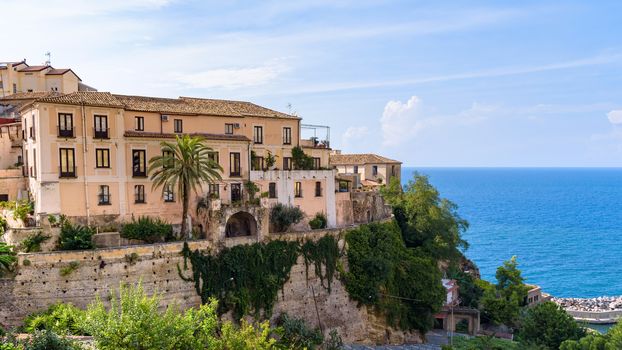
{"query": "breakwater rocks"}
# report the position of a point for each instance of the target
(598, 304)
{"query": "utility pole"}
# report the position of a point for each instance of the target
(49, 60)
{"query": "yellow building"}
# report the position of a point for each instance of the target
(86, 154)
(16, 77)
(371, 169)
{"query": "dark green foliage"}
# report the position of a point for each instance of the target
(75, 237)
(470, 291)
(403, 285)
(244, 278)
(22, 209)
(252, 189)
(32, 243)
(501, 303)
(484, 343)
(294, 334)
(58, 318)
(334, 342)
(69, 269)
(148, 229)
(427, 222)
(548, 325)
(300, 160)
(318, 222)
(324, 252)
(283, 216)
(48, 340)
(8, 257)
(3, 225)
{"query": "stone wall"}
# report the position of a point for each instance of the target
(40, 284)
(369, 206)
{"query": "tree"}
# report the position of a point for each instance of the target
(612, 340)
(547, 324)
(185, 165)
(501, 303)
(301, 160)
(427, 222)
(283, 216)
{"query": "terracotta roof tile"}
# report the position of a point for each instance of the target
(207, 136)
(88, 98)
(55, 71)
(360, 159)
(34, 68)
(29, 95)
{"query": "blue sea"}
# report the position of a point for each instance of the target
(563, 224)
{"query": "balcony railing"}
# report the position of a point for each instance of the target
(67, 172)
(100, 133)
(69, 133)
(139, 173)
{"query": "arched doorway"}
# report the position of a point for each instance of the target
(241, 224)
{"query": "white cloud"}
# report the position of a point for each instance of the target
(401, 121)
(353, 133)
(615, 116)
(230, 78)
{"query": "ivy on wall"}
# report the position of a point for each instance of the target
(324, 252)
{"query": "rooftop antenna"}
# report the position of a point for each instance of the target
(49, 60)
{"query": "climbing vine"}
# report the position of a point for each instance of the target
(324, 252)
(247, 278)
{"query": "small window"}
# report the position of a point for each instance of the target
(374, 170)
(392, 170)
(272, 190)
(287, 163)
(102, 158)
(287, 136)
(356, 169)
(343, 186)
(139, 123)
(229, 129)
(213, 156)
(214, 191)
(139, 194)
(234, 164)
(65, 125)
(34, 161)
(104, 195)
(101, 127)
(179, 126)
(298, 190)
(139, 163)
(317, 163)
(257, 163)
(14, 88)
(169, 160)
(169, 196)
(258, 134)
(318, 189)
(67, 162)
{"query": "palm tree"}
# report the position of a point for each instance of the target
(185, 165)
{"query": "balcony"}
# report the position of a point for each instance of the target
(66, 133)
(315, 136)
(101, 134)
(67, 172)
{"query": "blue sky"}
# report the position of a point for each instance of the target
(452, 83)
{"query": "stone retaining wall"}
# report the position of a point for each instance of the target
(39, 283)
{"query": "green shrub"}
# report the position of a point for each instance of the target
(67, 270)
(48, 340)
(3, 225)
(334, 341)
(75, 237)
(318, 222)
(548, 325)
(32, 243)
(8, 257)
(52, 220)
(300, 160)
(148, 229)
(59, 318)
(484, 343)
(295, 334)
(22, 209)
(26, 262)
(283, 216)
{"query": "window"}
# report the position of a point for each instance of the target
(213, 156)
(169, 161)
(317, 163)
(214, 191)
(236, 192)
(34, 162)
(343, 186)
(298, 190)
(179, 125)
(272, 190)
(139, 194)
(287, 163)
(67, 162)
(229, 129)
(14, 88)
(4, 197)
(104, 195)
(392, 170)
(234, 165)
(258, 134)
(139, 123)
(32, 128)
(356, 169)
(318, 189)
(65, 125)
(24, 130)
(139, 165)
(287, 136)
(374, 170)
(169, 196)
(101, 127)
(102, 158)
(257, 163)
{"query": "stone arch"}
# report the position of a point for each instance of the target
(241, 224)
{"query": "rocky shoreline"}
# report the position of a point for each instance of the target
(597, 304)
